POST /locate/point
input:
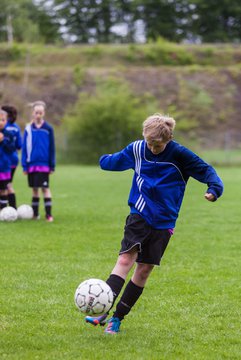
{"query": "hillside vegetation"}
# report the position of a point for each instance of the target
(199, 85)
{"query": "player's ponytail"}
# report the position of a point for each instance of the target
(11, 112)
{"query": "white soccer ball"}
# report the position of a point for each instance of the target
(25, 212)
(93, 297)
(8, 214)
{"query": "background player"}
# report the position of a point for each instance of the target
(6, 148)
(14, 129)
(38, 158)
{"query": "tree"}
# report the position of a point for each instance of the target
(159, 18)
(105, 121)
(23, 21)
(108, 21)
(80, 20)
(215, 21)
(88, 21)
(48, 26)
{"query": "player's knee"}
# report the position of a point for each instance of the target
(144, 270)
(10, 188)
(45, 191)
(125, 260)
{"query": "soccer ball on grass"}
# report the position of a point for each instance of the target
(8, 214)
(25, 212)
(93, 297)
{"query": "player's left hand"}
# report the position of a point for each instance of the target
(209, 197)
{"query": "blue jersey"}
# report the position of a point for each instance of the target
(7, 147)
(159, 181)
(14, 129)
(38, 147)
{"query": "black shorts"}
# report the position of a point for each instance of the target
(38, 180)
(12, 173)
(4, 184)
(151, 242)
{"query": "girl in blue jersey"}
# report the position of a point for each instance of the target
(14, 129)
(161, 168)
(6, 149)
(38, 158)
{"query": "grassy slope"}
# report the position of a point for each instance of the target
(199, 86)
(158, 53)
(189, 310)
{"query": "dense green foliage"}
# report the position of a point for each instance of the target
(105, 121)
(216, 20)
(120, 21)
(194, 20)
(24, 21)
(189, 309)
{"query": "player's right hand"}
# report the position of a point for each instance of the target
(1, 137)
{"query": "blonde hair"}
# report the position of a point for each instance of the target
(158, 127)
(38, 103)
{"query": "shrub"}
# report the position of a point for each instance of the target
(105, 121)
(163, 52)
(12, 53)
(78, 75)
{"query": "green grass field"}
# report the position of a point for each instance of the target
(190, 308)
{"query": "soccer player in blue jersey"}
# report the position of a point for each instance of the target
(14, 129)
(161, 168)
(7, 147)
(38, 158)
